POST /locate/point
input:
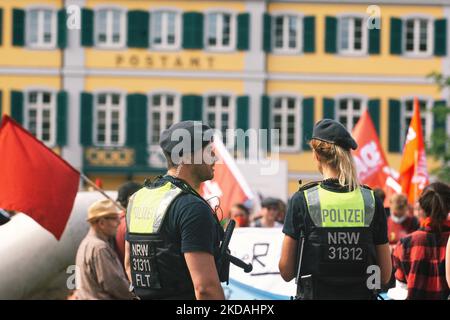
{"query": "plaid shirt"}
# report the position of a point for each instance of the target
(419, 260)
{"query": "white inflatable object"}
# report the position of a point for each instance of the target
(33, 263)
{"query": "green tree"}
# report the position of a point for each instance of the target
(440, 140)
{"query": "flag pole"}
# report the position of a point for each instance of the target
(92, 184)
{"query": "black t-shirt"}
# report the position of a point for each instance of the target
(190, 222)
(297, 216)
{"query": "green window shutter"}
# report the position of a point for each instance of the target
(328, 108)
(267, 32)
(374, 110)
(137, 126)
(87, 27)
(243, 105)
(62, 29)
(243, 32)
(86, 119)
(394, 125)
(308, 122)
(374, 40)
(440, 37)
(17, 106)
(396, 36)
(330, 35)
(192, 107)
(18, 38)
(309, 34)
(61, 116)
(439, 115)
(138, 25)
(1, 26)
(266, 116)
(193, 30)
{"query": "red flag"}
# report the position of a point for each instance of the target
(34, 180)
(228, 186)
(413, 168)
(371, 163)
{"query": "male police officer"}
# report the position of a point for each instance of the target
(336, 229)
(173, 235)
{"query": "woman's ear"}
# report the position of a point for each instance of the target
(316, 156)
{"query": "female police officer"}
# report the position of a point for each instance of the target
(335, 230)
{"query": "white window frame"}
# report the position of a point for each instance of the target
(164, 46)
(350, 113)
(284, 114)
(162, 110)
(218, 110)
(430, 36)
(40, 44)
(109, 21)
(351, 40)
(233, 26)
(122, 122)
(53, 117)
(285, 49)
(428, 117)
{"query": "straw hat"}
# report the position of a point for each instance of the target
(102, 208)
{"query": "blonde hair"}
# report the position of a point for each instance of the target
(339, 159)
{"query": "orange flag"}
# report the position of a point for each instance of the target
(371, 163)
(413, 168)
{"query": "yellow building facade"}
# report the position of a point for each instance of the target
(98, 80)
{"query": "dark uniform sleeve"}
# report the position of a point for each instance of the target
(295, 215)
(379, 224)
(197, 228)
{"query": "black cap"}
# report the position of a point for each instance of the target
(270, 202)
(187, 135)
(331, 131)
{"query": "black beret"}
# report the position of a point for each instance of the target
(187, 135)
(331, 131)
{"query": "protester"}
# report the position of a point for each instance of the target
(419, 259)
(335, 229)
(282, 211)
(269, 212)
(124, 193)
(400, 223)
(240, 214)
(101, 275)
(380, 194)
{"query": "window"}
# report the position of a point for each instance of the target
(110, 28)
(41, 28)
(418, 36)
(109, 119)
(349, 110)
(40, 116)
(164, 111)
(352, 35)
(165, 30)
(287, 31)
(220, 115)
(407, 114)
(220, 31)
(285, 118)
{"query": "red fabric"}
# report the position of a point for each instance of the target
(370, 160)
(34, 180)
(396, 231)
(413, 168)
(419, 260)
(120, 238)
